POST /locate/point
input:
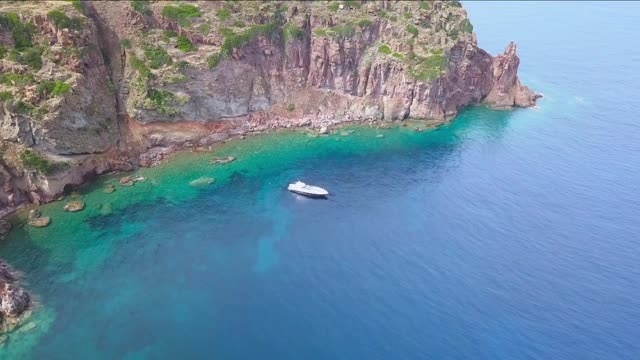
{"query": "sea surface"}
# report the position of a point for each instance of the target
(502, 235)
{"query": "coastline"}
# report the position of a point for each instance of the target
(162, 153)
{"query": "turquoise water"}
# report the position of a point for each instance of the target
(503, 235)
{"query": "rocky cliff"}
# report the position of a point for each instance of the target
(94, 86)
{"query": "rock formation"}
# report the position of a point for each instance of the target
(14, 300)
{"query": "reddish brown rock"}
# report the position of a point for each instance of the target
(507, 91)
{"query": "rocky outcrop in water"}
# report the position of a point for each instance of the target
(506, 90)
(14, 300)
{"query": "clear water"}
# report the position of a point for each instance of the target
(504, 235)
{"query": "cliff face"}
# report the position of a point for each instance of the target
(425, 65)
(121, 79)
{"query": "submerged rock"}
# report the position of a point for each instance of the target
(74, 206)
(40, 222)
(14, 301)
(379, 136)
(28, 327)
(203, 181)
(323, 130)
(5, 228)
(126, 181)
(106, 209)
(224, 160)
(6, 273)
(139, 179)
(34, 214)
(110, 188)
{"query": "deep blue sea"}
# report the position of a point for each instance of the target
(503, 235)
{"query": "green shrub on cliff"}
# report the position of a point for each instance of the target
(164, 101)
(31, 57)
(334, 6)
(141, 6)
(79, 5)
(167, 35)
(157, 57)
(342, 31)
(21, 33)
(9, 20)
(292, 31)
(412, 30)
(181, 65)
(6, 95)
(3, 51)
(63, 21)
(21, 107)
(184, 44)
(320, 32)
(61, 88)
(365, 23)
(125, 43)
(223, 14)
(353, 4)
(51, 87)
(182, 13)
(45, 87)
(213, 60)
(424, 4)
(384, 49)
(466, 26)
(236, 41)
(34, 161)
(204, 29)
(224, 31)
(16, 79)
(427, 68)
(140, 66)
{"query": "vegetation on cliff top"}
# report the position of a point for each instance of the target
(21, 33)
(182, 13)
(415, 34)
(63, 21)
(141, 6)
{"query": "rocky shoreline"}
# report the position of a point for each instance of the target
(162, 145)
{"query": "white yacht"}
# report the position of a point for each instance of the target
(308, 190)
